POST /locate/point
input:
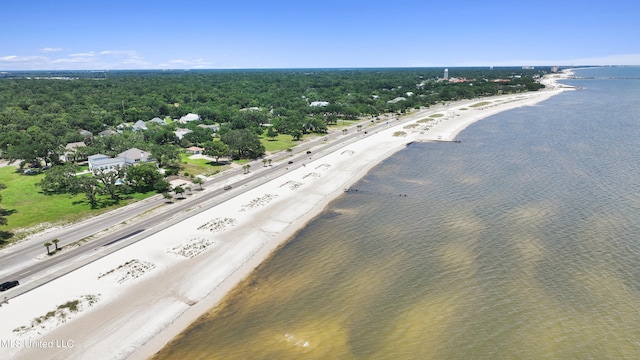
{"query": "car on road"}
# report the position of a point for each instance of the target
(290, 162)
(228, 187)
(308, 151)
(8, 285)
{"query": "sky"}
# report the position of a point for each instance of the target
(214, 34)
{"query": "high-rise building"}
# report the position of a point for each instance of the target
(446, 74)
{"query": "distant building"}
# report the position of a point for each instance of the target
(101, 162)
(139, 125)
(189, 118)
(319, 103)
(195, 150)
(71, 152)
(181, 132)
(446, 74)
(157, 120)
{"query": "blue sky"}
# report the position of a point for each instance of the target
(189, 34)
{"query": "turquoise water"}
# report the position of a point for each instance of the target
(522, 241)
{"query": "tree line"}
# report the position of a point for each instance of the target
(39, 116)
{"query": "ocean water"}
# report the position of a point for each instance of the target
(520, 242)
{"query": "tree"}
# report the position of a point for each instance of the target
(59, 179)
(166, 155)
(179, 190)
(167, 196)
(296, 134)
(4, 235)
(264, 162)
(271, 133)
(244, 143)
(198, 181)
(269, 160)
(216, 149)
(89, 186)
(47, 245)
(142, 177)
(55, 242)
(110, 180)
(199, 136)
(161, 186)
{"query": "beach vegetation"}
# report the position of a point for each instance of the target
(482, 103)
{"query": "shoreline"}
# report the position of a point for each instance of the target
(136, 317)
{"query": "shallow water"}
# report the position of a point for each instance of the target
(522, 241)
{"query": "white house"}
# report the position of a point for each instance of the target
(71, 152)
(139, 125)
(181, 132)
(101, 162)
(189, 118)
(319, 103)
(135, 155)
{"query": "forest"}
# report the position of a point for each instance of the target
(42, 112)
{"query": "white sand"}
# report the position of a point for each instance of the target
(149, 292)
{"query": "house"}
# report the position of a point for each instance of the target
(181, 132)
(157, 120)
(139, 125)
(194, 150)
(398, 99)
(71, 152)
(189, 118)
(84, 132)
(100, 162)
(319, 103)
(213, 128)
(107, 132)
(135, 155)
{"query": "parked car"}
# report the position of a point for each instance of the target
(8, 285)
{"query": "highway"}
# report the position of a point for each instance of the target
(101, 235)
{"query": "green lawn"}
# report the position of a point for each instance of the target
(200, 166)
(29, 207)
(279, 143)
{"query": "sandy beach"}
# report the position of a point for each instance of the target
(129, 304)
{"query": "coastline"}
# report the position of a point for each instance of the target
(135, 318)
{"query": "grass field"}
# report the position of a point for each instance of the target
(28, 207)
(200, 166)
(279, 143)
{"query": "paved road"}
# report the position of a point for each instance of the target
(104, 234)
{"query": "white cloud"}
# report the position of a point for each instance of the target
(188, 64)
(88, 54)
(50, 49)
(90, 60)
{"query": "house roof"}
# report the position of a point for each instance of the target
(157, 120)
(194, 148)
(97, 156)
(75, 145)
(190, 117)
(212, 127)
(181, 132)
(134, 153)
(106, 132)
(139, 125)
